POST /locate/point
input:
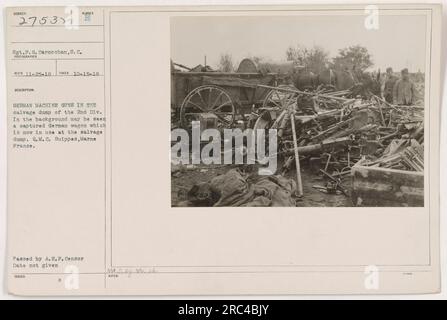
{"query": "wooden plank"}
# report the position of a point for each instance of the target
(372, 186)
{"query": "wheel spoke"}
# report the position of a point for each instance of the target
(274, 102)
(208, 99)
(196, 105)
(209, 95)
(279, 97)
(201, 98)
(215, 101)
(221, 106)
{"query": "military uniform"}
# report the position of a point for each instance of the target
(388, 88)
(404, 92)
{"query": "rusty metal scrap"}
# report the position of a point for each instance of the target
(364, 126)
(336, 132)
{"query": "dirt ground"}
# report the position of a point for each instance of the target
(183, 180)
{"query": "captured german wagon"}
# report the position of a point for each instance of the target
(224, 96)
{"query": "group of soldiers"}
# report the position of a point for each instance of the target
(400, 91)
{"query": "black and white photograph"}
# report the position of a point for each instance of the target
(298, 110)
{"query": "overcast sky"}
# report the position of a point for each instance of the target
(399, 42)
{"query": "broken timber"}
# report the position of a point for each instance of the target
(373, 186)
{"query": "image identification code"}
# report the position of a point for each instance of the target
(226, 309)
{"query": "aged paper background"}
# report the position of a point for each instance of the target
(117, 200)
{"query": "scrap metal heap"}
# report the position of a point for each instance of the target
(360, 145)
(336, 132)
(344, 129)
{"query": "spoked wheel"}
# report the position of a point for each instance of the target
(207, 99)
(280, 99)
(275, 107)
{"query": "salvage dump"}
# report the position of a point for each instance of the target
(351, 145)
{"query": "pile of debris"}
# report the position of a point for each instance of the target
(401, 155)
(361, 146)
(335, 132)
(344, 130)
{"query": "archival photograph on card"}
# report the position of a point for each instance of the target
(294, 110)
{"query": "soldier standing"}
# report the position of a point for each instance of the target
(390, 81)
(404, 91)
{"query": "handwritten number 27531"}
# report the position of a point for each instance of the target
(32, 21)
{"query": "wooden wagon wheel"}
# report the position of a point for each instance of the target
(276, 102)
(279, 99)
(207, 99)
